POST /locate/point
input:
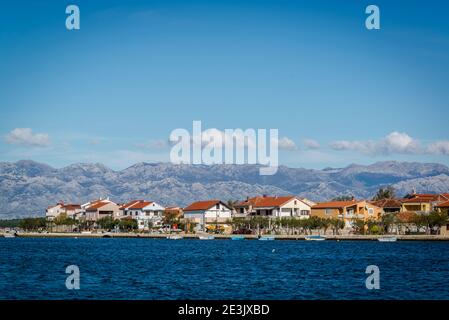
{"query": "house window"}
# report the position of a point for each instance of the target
(217, 206)
(296, 202)
(370, 211)
(242, 210)
(328, 211)
(305, 212)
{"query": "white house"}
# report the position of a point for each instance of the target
(70, 210)
(289, 206)
(209, 211)
(147, 213)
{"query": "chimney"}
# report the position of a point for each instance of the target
(264, 196)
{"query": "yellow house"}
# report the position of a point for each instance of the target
(444, 207)
(347, 210)
(422, 203)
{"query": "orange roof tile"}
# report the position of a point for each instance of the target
(71, 206)
(129, 204)
(96, 205)
(334, 204)
(443, 205)
(265, 201)
(422, 198)
(271, 201)
(202, 205)
(140, 205)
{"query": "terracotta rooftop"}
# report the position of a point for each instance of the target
(71, 206)
(140, 205)
(97, 205)
(266, 201)
(421, 198)
(202, 205)
(129, 204)
(334, 204)
(271, 201)
(443, 205)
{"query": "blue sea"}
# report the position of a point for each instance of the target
(221, 269)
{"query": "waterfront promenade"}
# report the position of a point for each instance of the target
(227, 236)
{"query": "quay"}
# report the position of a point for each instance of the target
(226, 236)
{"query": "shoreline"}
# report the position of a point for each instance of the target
(228, 237)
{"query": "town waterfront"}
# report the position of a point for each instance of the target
(130, 268)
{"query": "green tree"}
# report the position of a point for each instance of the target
(32, 224)
(127, 224)
(326, 224)
(107, 223)
(385, 193)
(336, 225)
(359, 226)
(387, 221)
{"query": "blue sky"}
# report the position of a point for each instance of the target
(113, 91)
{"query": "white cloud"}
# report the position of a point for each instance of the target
(395, 142)
(154, 144)
(285, 143)
(311, 144)
(242, 138)
(439, 147)
(26, 137)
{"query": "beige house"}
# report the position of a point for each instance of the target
(100, 209)
(274, 206)
(347, 211)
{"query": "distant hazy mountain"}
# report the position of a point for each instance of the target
(28, 187)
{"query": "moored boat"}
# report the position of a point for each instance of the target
(9, 235)
(174, 237)
(206, 237)
(387, 239)
(267, 238)
(237, 238)
(315, 238)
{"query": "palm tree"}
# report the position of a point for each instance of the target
(385, 193)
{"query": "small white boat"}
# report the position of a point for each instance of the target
(9, 235)
(267, 238)
(387, 239)
(206, 237)
(174, 237)
(86, 232)
(314, 238)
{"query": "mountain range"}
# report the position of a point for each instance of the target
(28, 187)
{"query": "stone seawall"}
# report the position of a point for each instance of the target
(224, 237)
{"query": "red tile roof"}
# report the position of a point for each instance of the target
(202, 205)
(422, 198)
(96, 205)
(129, 204)
(140, 205)
(71, 206)
(271, 201)
(443, 205)
(265, 201)
(334, 204)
